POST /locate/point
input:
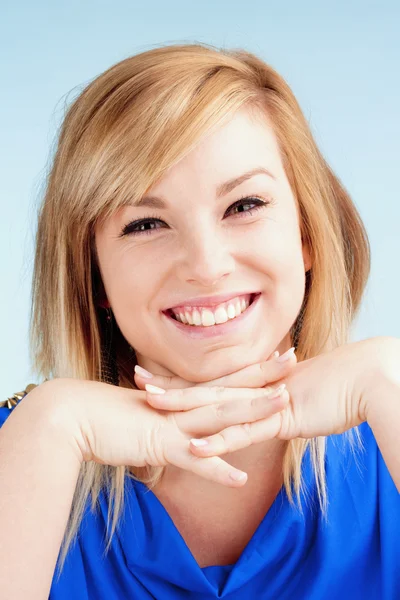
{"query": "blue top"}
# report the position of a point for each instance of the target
(354, 554)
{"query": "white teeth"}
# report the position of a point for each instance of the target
(238, 307)
(196, 317)
(206, 317)
(231, 311)
(221, 315)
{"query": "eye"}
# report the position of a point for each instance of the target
(148, 224)
(247, 201)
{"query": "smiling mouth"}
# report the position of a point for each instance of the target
(208, 318)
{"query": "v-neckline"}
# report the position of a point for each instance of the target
(270, 514)
(154, 547)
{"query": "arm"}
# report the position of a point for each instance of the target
(39, 468)
(382, 406)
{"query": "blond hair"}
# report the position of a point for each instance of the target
(114, 143)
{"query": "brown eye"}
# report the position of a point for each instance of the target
(141, 226)
(148, 224)
(253, 202)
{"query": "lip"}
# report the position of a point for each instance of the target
(197, 332)
(210, 300)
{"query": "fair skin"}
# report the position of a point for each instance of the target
(200, 248)
(222, 379)
(201, 252)
(197, 251)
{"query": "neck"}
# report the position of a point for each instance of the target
(263, 463)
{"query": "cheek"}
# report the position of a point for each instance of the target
(277, 250)
(129, 286)
(136, 294)
(290, 286)
(279, 257)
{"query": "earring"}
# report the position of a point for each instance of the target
(297, 327)
(109, 367)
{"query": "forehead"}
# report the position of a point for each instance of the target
(241, 143)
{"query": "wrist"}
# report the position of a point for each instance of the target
(381, 383)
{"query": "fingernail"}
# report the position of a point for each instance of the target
(237, 476)
(153, 389)
(140, 371)
(276, 393)
(199, 443)
(286, 355)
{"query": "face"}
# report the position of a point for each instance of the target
(209, 240)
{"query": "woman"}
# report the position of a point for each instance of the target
(191, 237)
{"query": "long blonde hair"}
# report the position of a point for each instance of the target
(114, 143)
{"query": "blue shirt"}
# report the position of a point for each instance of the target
(355, 554)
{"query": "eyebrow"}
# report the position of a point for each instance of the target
(222, 189)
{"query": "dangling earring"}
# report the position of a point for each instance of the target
(298, 324)
(297, 327)
(109, 367)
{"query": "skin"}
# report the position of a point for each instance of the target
(143, 274)
(202, 249)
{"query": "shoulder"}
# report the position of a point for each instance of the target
(8, 405)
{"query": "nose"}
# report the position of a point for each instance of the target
(207, 258)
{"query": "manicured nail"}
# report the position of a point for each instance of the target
(286, 356)
(199, 443)
(276, 393)
(140, 371)
(153, 389)
(237, 476)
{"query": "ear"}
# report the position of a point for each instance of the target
(306, 257)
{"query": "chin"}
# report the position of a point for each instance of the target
(216, 369)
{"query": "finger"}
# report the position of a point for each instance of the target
(212, 419)
(260, 374)
(186, 399)
(211, 468)
(162, 381)
(232, 380)
(237, 437)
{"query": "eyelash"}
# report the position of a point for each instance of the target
(259, 202)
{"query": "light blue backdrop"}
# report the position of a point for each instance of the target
(341, 61)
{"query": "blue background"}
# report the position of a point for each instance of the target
(341, 60)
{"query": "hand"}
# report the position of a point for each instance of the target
(116, 426)
(258, 375)
(325, 398)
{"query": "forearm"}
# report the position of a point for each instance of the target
(39, 468)
(383, 416)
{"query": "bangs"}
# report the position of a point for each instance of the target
(124, 155)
